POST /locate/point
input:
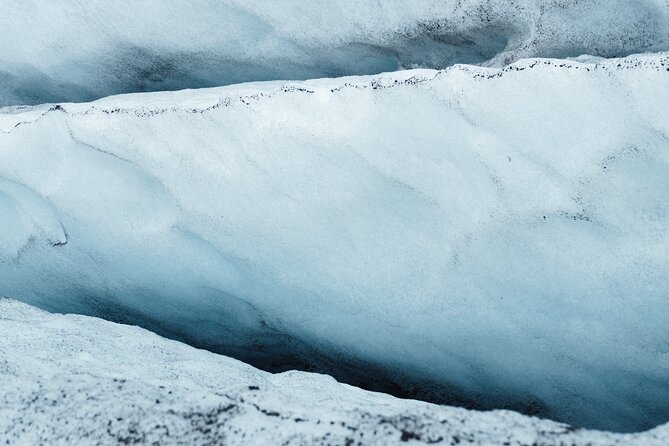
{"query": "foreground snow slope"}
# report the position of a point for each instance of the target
(81, 380)
(78, 50)
(497, 238)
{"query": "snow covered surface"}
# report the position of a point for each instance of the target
(79, 380)
(74, 50)
(493, 237)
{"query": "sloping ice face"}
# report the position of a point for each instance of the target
(481, 236)
(68, 50)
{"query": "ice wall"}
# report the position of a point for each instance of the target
(497, 238)
(72, 50)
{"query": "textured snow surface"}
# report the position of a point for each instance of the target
(74, 50)
(80, 380)
(488, 237)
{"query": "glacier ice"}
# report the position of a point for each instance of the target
(71, 379)
(496, 237)
(69, 50)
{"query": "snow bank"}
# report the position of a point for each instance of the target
(80, 380)
(493, 237)
(69, 50)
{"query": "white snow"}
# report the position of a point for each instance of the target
(72, 50)
(78, 380)
(500, 234)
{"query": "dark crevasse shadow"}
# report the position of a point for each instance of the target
(227, 325)
(238, 330)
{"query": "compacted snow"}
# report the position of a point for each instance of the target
(74, 50)
(80, 380)
(488, 237)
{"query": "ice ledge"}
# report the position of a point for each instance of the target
(75, 379)
(200, 100)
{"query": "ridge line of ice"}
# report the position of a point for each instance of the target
(163, 101)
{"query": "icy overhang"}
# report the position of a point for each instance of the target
(66, 50)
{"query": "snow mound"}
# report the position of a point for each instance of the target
(30, 215)
(73, 379)
(491, 237)
(69, 50)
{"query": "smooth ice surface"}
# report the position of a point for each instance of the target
(73, 50)
(79, 380)
(495, 238)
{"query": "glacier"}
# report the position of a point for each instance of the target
(72, 379)
(493, 237)
(72, 50)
